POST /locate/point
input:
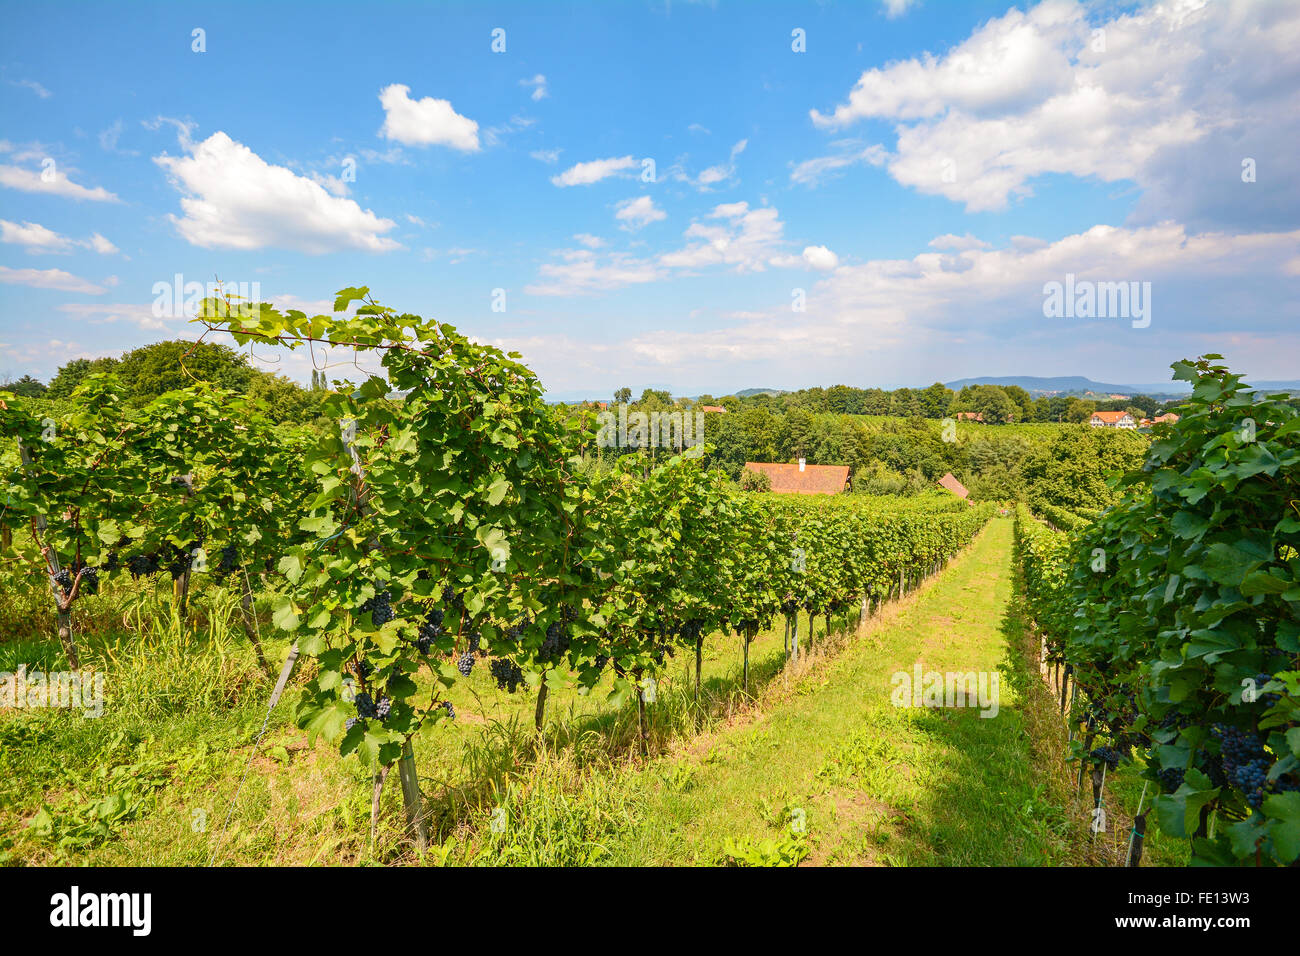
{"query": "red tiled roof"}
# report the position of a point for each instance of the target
(711, 408)
(813, 480)
(970, 416)
(1109, 416)
(953, 485)
(1166, 417)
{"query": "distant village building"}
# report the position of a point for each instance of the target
(952, 484)
(970, 416)
(802, 478)
(1169, 417)
(1112, 420)
(712, 408)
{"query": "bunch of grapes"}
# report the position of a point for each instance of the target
(465, 664)
(352, 722)
(1269, 699)
(227, 562)
(601, 661)
(556, 642)
(113, 562)
(1245, 762)
(68, 576)
(516, 630)
(789, 607)
(475, 638)
(451, 711)
(366, 705)
(452, 600)
(430, 630)
(1171, 778)
(380, 608)
(142, 565)
(1107, 756)
(506, 673)
(177, 561)
(383, 708)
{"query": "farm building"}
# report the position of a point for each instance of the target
(803, 479)
(1112, 420)
(952, 484)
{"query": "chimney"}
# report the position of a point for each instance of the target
(802, 462)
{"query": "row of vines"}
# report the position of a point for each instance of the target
(1176, 614)
(447, 521)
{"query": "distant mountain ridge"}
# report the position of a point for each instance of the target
(1079, 385)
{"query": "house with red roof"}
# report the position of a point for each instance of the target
(801, 478)
(950, 483)
(1112, 420)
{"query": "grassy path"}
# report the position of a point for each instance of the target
(872, 783)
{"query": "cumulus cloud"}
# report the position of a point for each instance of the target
(425, 122)
(36, 238)
(1163, 96)
(638, 212)
(731, 235)
(821, 258)
(949, 313)
(52, 182)
(234, 199)
(584, 174)
(51, 279)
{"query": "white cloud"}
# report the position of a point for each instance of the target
(35, 87)
(538, 83)
(638, 212)
(33, 236)
(142, 316)
(425, 122)
(233, 199)
(584, 174)
(54, 183)
(1162, 96)
(959, 243)
(747, 239)
(896, 8)
(715, 175)
(811, 172)
(36, 238)
(821, 258)
(581, 272)
(590, 241)
(50, 279)
(548, 156)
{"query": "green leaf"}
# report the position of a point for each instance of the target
(284, 613)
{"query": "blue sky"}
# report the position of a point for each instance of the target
(911, 177)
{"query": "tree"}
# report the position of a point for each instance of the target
(936, 399)
(751, 480)
(623, 396)
(151, 370)
(26, 387)
(993, 404)
(1078, 410)
(70, 375)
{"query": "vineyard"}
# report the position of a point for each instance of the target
(443, 553)
(1170, 626)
